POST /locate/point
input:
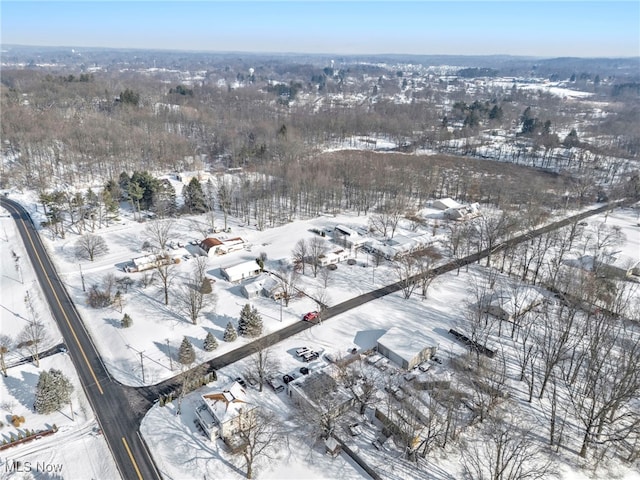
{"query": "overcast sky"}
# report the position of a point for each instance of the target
(538, 28)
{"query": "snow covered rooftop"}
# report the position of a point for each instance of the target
(405, 343)
(227, 404)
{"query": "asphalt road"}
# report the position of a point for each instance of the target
(120, 409)
(109, 400)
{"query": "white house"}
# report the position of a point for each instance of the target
(405, 348)
(348, 237)
(333, 257)
(240, 271)
(255, 287)
(225, 413)
(445, 203)
(222, 246)
(463, 212)
(399, 245)
(148, 262)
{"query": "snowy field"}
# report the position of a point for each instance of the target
(179, 449)
(85, 453)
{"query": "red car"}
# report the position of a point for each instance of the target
(310, 317)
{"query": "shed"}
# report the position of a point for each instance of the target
(332, 446)
(405, 348)
(240, 271)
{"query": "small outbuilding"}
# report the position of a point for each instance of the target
(406, 348)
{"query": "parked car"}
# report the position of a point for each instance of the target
(302, 350)
(310, 356)
(304, 370)
(311, 316)
(288, 378)
(275, 384)
(241, 381)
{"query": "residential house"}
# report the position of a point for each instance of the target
(445, 203)
(398, 246)
(225, 414)
(147, 262)
(254, 288)
(222, 246)
(406, 349)
(462, 212)
(333, 257)
(348, 237)
(240, 271)
(320, 390)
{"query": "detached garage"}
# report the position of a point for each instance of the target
(406, 349)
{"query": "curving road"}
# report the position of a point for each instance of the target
(120, 409)
(109, 400)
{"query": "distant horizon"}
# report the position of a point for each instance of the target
(318, 54)
(517, 28)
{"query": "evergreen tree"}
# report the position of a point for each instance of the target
(186, 353)
(250, 323)
(571, 140)
(194, 199)
(255, 325)
(245, 319)
(164, 200)
(230, 333)
(210, 342)
(52, 392)
(126, 321)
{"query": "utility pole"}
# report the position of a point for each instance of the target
(81, 277)
(142, 365)
(169, 353)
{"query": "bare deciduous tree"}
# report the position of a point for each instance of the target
(261, 436)
(263, 364)
(503, 451)
(6, 343)
(300, 253)
(160, 232)
(406, 268)
(317, 247)
(89, 246)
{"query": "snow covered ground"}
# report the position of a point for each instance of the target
(179, 449)
(76, 450)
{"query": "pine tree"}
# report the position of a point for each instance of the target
(230, 333)
(250, 323)
(255, 325)
(245, 319)
(186, 353)
(53, 391)
(210, 342)
(126, 321)
(194, 199)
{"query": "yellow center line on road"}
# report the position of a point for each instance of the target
(62, 309)
(135, 465)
